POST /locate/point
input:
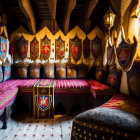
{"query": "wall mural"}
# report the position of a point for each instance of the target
(22, 48)
(3, 47)
(45, 48)
(125, 53)
(86, 48)
(34, 49)
(75, 45)
(59, 49)
(96, 45)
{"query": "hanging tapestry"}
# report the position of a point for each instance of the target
(96, 46)
(45, 48)
(109, 54)
(75, 48)
(34, 49)
(86, 48)
(22, 48)
(3, 47)
(59, 49)
(125, 53)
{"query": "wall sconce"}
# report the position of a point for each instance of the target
(109, 18)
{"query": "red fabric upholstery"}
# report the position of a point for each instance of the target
(71, 83)
(7, 96)
(123, 102)
(100, 89)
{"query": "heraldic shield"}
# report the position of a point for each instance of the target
(3, 47)
(75, 48)
(86, 48)
(59, 49)
(43, 99)
(96, 45)
(22, 48)
(34, 49)
(126, 53)
(43, 102)
(45, 48)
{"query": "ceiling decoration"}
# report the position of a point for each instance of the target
(55, 14)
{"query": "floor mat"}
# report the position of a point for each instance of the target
(58, 128)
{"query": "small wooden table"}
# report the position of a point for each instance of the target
(43, 100)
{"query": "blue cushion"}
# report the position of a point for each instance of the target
(1, 74)
(6, 73)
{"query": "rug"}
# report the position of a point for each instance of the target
(58, 128)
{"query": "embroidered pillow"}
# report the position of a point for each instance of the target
(22, 70)
(60, 71)
(82, 71)
(35, 71)
(71, 71)
(114, 79)
(1, 74)
(100, 73)
(6, 70)
(48, 70)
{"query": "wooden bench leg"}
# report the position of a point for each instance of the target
(5, 117)
(4, 125)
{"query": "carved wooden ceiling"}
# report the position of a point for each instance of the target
(63, 14)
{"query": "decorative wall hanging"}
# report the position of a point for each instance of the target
(34, 49)
(86, 48)
(109, 54)
(3, 47)
(96, 45)
(75, 45)
(125, 53)
(59, 49)
(45, 48)
(22, 48)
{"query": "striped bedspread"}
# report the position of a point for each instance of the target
(71, 84)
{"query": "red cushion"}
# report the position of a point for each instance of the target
(100, 89)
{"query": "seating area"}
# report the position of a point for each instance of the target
(70, 69)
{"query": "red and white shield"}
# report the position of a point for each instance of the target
(45, 48)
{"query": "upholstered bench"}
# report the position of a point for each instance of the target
(8, 93)
(119, 118)
(67, 92)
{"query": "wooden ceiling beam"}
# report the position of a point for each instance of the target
(26, 7)
(52, 8)
(70, 5)
(90, 5)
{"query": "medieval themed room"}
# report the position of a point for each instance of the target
(69, 70)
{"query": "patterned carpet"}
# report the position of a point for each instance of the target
(58, 128)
